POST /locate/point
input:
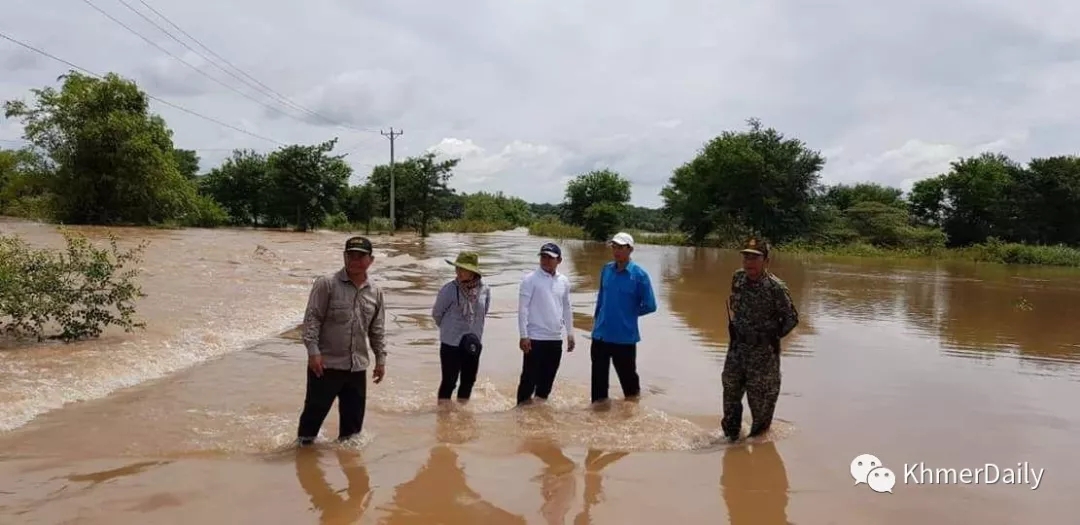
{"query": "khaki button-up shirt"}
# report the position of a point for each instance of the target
(343, 322)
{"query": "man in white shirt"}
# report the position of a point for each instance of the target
(543, 314)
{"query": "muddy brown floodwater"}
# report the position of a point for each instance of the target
(947, 366)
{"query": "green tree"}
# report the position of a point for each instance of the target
(496, 208)
(361, 205)
(241, 185)
(306, 184)
(114, 160)
(187, 162)
(548, 210)
(605, 193)
(603, 219)
(647, 219)
(973, 199)
(1047, 201)
(25, 178)
(433, 191)
(844, 196)
(421, 191)
(756, 180)
(927, 201)
(878, 223)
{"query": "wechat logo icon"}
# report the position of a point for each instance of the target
(867, 468)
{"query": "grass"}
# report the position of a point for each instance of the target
(556, 230)
(992, 251)
(470, 226)
(339, 223)
(382, 225)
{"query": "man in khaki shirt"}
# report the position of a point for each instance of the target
(345, 322)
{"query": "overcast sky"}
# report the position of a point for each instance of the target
(532, 92)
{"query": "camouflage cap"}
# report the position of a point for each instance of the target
(756, 246)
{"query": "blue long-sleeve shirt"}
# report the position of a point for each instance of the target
(624, 296)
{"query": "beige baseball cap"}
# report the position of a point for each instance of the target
(622, 238)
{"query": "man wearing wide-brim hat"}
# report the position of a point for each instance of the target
(460, 310)
(760, 313)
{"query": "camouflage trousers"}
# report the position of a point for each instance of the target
(753, 370)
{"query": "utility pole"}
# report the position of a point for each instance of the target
(392, 135)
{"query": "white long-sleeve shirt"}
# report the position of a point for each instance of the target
(544, 306)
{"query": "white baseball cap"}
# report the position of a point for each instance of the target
(622, 238)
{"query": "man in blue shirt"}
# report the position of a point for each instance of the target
(625, 294)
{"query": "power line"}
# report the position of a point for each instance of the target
(167, 103)
(189, 48)
(267, 89)
(186, 63)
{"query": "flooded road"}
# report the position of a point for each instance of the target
(950, 366)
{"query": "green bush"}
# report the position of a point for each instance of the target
(552, 228)
(81, 290)
(206, 213)
(602, 220)
(339, 222)
(994, 250)
(471, 226)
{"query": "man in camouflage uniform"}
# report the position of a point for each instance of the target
(760, 313)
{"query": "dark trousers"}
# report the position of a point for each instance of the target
(350, 390)
(456, 363)
(624, 358)
(538, 369)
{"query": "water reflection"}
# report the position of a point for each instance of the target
(108, 475)
(439, 493)
(595, 462)
(332, 507)
(1033, 319)
(972, 310)
(455, 424)
(558, 483)
(586, 259)
(754, 485)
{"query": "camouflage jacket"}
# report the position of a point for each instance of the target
(760, 311)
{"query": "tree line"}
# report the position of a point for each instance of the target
(97, 155)
(759, 182)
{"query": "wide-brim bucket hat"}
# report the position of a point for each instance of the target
(467, 261)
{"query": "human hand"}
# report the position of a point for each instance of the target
(379, 373)
(570, 344)
(525, 344)
(315, 364)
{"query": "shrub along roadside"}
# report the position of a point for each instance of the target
(77, 292)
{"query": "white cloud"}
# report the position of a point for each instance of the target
(532, 92)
